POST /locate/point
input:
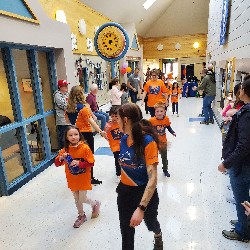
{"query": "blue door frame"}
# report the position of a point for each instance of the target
(20, 122)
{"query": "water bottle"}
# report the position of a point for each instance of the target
(73, 169)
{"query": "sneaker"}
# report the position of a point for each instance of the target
(95, 181)
(96, 210)
(79, 221)
(158, 243)
(118, 179)
(204, 122)
(166, 173)
(232, 235)
(233, 222)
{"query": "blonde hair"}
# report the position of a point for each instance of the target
(160, 105)
(75, 96)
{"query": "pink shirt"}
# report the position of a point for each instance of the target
(115, 95)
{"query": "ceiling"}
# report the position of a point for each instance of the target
(163, 18)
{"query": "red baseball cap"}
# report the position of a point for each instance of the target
(62, 83)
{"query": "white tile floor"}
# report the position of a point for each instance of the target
(193, 209)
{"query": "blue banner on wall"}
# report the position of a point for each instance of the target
(224, 21)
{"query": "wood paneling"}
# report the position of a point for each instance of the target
(150, 46)
(74, 11)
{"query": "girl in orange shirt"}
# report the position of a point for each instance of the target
(78, 160)
(175, 92)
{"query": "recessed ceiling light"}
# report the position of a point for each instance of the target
(148, 4)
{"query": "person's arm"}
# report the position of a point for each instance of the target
(138, 214)
(60, 101)
(59, 160)
(203, 84)
(231, 112)
(130, 86)
(97, 129)
(92, 114)
(170, 130)
(143, 97)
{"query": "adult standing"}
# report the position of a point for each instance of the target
(157, 92)
(137, 194)
(208, 84)
(91, 100)
(236, 155)
(134, 83)
(61, 99)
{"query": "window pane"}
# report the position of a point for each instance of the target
(50, 122)
(45, 84)
(11, 154)
(5, 101)
(33, 132)
(23, 78)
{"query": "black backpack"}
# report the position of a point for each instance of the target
(4, 120)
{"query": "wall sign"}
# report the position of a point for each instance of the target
(224, 21)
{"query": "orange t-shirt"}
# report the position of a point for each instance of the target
(114, 135)
(174, 94)
(82, 120)
(155, 90)
(160, 127)
(81, 181)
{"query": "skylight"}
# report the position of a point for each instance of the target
(148, 4)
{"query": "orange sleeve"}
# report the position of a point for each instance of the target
(85, 113)
(57, 162)
(87, 154)
(151, 153)
(168, 123)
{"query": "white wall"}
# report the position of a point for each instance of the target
(48, 33)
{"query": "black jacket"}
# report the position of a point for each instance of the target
(236, 147)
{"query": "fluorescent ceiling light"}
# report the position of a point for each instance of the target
(148, 3)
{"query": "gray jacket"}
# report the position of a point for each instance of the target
(61, 101)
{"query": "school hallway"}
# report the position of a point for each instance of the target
(192, 212)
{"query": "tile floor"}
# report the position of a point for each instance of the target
(193, 209)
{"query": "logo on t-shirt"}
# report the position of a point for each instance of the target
(154, 90)
(116, 134)
(160, 129)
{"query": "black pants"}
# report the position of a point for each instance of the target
(61, 133)
(151, 111)
(175, 107)
(89, 138)
(128, 199)
(117, 165)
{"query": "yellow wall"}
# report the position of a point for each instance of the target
(74, 11)
(150, 46)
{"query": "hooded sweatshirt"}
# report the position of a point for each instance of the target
(208, 84)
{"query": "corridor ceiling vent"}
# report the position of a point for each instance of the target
(148, 4)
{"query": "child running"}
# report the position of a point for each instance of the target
(160, 122)
(78, 160)
(175, 91)
(114, 135)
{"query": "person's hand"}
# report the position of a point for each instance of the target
(104, 135)
(174, 134)
(134, 89)
(136, 218)
(194, 88)
(63, 156)
(247, 208)
(74, 163)
(222, 168)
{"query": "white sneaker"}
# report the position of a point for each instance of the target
(118, 179)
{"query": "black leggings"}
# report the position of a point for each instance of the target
(128, 199)
(89, 138)
(175, 107)
(117, 165)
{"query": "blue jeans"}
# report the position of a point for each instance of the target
(151, 111)
(104, 117)
(240, 182)
(133, 96)
(207, 109)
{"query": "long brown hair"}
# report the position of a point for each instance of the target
(75, 96)
(140, 127)
(66, 141)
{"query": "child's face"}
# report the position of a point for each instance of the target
(160, 113)
(73, 136)
(114, 118)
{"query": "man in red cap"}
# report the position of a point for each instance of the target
(61, 99)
